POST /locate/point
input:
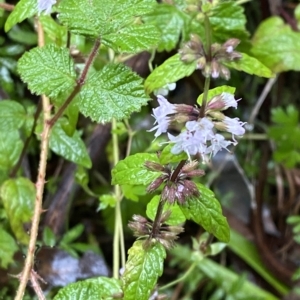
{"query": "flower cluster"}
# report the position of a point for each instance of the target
(45, 5)
(210, 63)
(166, 235)
(200, 134)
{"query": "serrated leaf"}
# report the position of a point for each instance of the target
(111, 21)
(170, 71)
(206, 211)
(10, 149)
(133, 192)
(215, 92)
(18, 197)
(132, 170)
(142, 270)
(228, 20)
(23, 10)
(95, 288)
(250, 65)
(132, 39)
(167, 157)
(8, 247)
(70, 147)
(289, 117)
(53, 73)
(170, 21)
(113, 92)
(276, 45)
(12, 115)
(176, 217)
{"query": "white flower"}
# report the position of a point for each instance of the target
(203, 127)
(160, 114)
(217, 143)
(45, 5)
(164, 91)
(234, 126)
(228, 100)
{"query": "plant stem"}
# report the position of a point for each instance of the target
(118, 243)
(205, 94)
(40, 183)
(156, 222)
(80, 83)
(180, 279)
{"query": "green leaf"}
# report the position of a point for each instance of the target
(73, 234)
(142, 270)
(132, 170)
(11, 147)
(276, 45)
(23, 10)
(170, 21)
(228, 20)
(170, 71)
(94, 288)
(12, 115)
(70, 147)
(115, 22)
(133, 39)
(176, 217)
(53, 73)
(8, 247)
(206, 211)
(18, 196)
(107, 200)
(215, 92)
(49, 238)
(250, 65)
(133, 192)
(166, 156)
(113, 92)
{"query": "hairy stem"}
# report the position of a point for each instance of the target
(40, 183)
(80, 83)
(205, 94)
(156, 222)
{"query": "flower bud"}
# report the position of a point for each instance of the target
(155, 184)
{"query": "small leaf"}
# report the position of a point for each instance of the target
(276, 45)
(73, 234)
(70, 147)
(170, 20)
(49, 238)
(250, 65)
(206, 211)
(228, 20)
(23, 10)
(8, 248)
(113, 92)
(94, 288)
(215, 92)
(53, 73)
(132, 39)
(107, 200)
(176, 217)
(132, 170)
(18, 196)
(170, 71)
(142, 270)
(166, 156)
(12, 115)
(10, 149)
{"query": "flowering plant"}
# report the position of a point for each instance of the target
(79, 81)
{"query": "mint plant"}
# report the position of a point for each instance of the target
(211, 41)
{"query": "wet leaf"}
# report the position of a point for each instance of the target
(142, 270)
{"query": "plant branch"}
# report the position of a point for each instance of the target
(156, 222)
(40, 183)
(205, 94)
(7, 7)
(80, 83)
